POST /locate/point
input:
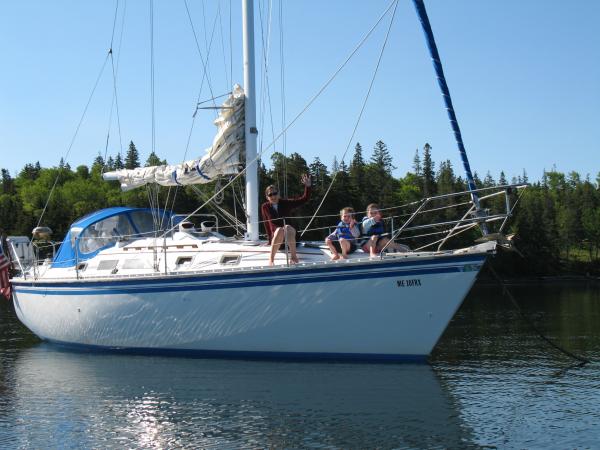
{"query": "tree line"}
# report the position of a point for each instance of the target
(556, 221)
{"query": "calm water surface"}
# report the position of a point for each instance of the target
(491, 383)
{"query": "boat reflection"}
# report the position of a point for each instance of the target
(112, 400)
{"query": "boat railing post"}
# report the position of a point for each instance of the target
(77, 257)
(285, 243)
(165, 251)
(507, 200)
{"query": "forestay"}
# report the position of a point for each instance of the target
(222, 158)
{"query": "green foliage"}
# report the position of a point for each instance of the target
(132, 160)
(557, 220)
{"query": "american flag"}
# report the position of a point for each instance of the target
(5, 289)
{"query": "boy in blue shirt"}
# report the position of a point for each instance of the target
(343, 239)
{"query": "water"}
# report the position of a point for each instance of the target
(491, 383)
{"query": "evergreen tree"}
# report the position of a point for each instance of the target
(8, 184)
(154, 160)
(320, 174)
(488, 181)
(119, 162)
(356, 177)
(335, 166)
(110, 163)
(417, 168)
(428, 172)
(445, 178)
(379, 182)
(502, 180)
(98, 164)
(132, 159)
(31, 172)
(382, 159)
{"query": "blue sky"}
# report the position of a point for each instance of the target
(524, 76)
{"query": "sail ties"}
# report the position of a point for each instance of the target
(222, 157)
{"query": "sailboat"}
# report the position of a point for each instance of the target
(119, 281)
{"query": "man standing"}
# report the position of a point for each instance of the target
(275, 211)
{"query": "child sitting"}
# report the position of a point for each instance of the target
(373, 228)
(343, 239)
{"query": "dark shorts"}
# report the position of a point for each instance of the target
(338, 247)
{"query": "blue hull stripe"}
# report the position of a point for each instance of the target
(185, 285)
(255, 355)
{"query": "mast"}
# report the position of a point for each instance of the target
(437, 64)
(250, 130)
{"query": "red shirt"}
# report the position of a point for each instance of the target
(273, 218)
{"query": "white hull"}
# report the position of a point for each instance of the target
(394, 308)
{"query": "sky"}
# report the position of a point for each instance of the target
(524, 77)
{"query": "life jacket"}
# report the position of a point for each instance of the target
(376, 229)
(343, 231)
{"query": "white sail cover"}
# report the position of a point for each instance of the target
(222, 158)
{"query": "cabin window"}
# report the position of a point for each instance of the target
(81, 266)
(136, 264)
(230, 259)
(144, 222)
(183, 261)
(108, 264)
(104, 233)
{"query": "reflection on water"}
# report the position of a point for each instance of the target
(491, 382)
(118, 400)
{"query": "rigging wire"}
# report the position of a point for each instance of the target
(282, 86)
(364, 105)
(74, 136)
(206, 78)
(223, 47)
(308, 104)
(153, 192)
(114, 103)
(230, 45)
(265, 84)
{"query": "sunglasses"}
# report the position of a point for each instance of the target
(271, 194)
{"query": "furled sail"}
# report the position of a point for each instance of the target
(222, 158)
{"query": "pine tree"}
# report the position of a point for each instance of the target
(154, 160)
(356, 175)
(357, 167)
(132, 160)
(319, 172)
(335, 166)
(110, 163)
(8, 185)
(502, 179)
(118, 165)
(428, 172)
(445, 178)
(98, 164)
(417, 168)
(488, 181)
(382, 159)
(30, 171)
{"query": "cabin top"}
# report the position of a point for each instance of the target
(104, 228)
